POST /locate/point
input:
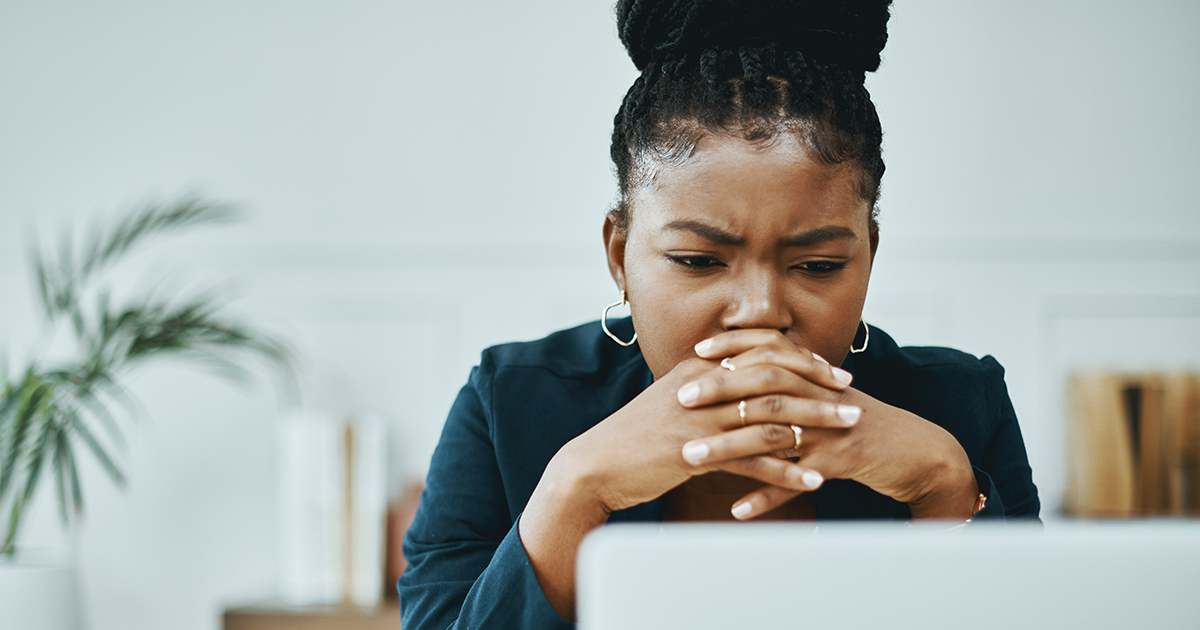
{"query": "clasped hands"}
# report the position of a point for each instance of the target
(688, 423)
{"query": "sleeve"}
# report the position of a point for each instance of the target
(1004, 475)
(467, 566)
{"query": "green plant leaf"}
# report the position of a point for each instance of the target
(36, 457)
(33, 405)
(73, 472)
(14, 519)
(44, 283)
(83, 392)
(153, 219)
(9, 399)
(61, 445)
(113, 471)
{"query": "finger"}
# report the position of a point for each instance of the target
(775, 472)
(750, 441)
(783, 409)
(724, 385)
(828, 464)
(735, 342)
(750, 346)
(754, 439)
(807, 364)
(762, 501)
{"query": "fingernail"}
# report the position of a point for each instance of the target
(695, 452)
(742, 510)
(689, 393)
(704, 346)
(813, 479)
(820, 358)
(849, 413)
(842, 376)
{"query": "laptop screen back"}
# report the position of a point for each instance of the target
(761, 575)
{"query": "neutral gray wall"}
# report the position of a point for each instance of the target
(421, 180)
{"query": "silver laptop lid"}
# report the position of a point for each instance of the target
(760, 575)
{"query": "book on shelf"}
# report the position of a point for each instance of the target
(333, 502)
(1133, 444)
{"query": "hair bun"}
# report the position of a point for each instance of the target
(846, 33)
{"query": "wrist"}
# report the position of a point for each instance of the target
(572, 484)
(953, 492)
(562, 510)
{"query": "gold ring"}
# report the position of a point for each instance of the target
(742, 412)
(796, 432)
(727, 363)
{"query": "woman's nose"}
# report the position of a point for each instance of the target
(757, 300)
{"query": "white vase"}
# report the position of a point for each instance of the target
(39, 590)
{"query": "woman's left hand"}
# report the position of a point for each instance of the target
(888, 449)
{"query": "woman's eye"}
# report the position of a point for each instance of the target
(696, 262)
(821, 266)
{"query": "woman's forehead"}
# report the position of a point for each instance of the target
(741, 184)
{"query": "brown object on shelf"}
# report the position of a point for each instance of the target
(1181, 408)
(400, 515)
(1100, 459)
(1134, 445)
(348, 512)
(267, 617)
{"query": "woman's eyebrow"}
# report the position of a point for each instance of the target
(716, 235)
(804, 239)
(818, 236)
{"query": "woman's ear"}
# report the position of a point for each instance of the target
(873, 231)
(615, 238)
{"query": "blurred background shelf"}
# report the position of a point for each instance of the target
(281, 616)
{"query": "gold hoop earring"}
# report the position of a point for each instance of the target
(866, 337)
(604, 322)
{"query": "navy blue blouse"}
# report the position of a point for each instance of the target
(467, 566)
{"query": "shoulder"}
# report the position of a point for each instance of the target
(536, 396)
(582, 353)
(954, 389)
(883, 353)
(961, 393)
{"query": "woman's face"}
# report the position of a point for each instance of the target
(744, 235)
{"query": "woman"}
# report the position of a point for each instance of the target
(748, 159)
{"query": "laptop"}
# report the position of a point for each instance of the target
(772, 575)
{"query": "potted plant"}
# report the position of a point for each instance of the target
(53, 411)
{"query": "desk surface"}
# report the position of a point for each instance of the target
(281, 617)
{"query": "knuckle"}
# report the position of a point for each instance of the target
(773, 404)
(764, 470)
(773, 434)
(771, 377)
(779, 476)
(741, 466)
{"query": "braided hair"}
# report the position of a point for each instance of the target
(754, 68)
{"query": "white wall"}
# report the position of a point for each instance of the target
(421, 180)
